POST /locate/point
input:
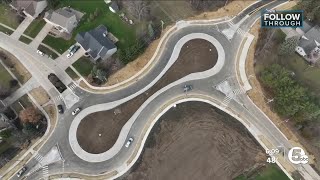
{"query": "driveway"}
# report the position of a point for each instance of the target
(22, 27)
(65, 62)
(41, 35)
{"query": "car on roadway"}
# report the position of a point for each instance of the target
(23, 170)
(187, 88)
(40, 53)
(60, 109)
(130, 140)
(76, 111)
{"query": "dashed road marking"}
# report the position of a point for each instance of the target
(57, 98)
(38, 157)
(239, 91)
(45, 171)
(72, 86)
(226, 101)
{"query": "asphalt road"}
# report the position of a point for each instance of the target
(73, 163)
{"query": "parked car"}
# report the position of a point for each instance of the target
(76, 111)
(75, 49)
(23, 170)
(187, 88)
(40, 53)
(130, 140)
(69, 55)
(71, 47)
(60, 108)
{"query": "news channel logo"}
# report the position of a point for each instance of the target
(280, 19)
(296, 155)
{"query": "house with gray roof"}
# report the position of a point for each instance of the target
(30, 8)
(97, 43)
(64, 20)
(309, 45)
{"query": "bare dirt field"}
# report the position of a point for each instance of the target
(197, 141)
(195, 56)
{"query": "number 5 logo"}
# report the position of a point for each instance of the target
(297, 155)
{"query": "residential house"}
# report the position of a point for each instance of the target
(97, 43)
(309, 44)
(64, 20)
(30, 8)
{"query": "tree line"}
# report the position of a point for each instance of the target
(291, 100)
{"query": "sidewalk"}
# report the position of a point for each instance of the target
(21, 28)
(24, 89)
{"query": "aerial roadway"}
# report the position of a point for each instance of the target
(226, 34)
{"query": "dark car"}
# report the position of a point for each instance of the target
(75, 49)
(60, 108)
(187, 88)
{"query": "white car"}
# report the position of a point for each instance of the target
(130, 140)
(76, 111)
(19, 174)
(40, 53)
(69, 55)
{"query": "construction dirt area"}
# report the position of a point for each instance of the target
(197, 141)
(196, 56)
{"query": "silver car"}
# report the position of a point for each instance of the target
(130, 140)
(187, 88)
(76, 111)
(20, 173)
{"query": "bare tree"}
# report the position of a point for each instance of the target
(30, 115)
(138, 9)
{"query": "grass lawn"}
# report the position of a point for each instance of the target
(47, 51)
(271, 172)
(59, 44)
(124, 32)
(5, 77)
(72, 74)
(24, 101)
(35, 27)
(83, 66)
(8, 17)
(4, 146)
(5, 30)
(25, 39)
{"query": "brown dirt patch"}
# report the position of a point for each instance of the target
(196, 141)
(15, 66)
(40, 95)
(194, 57)
(231, 9)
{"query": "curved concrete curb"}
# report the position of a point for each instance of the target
(209, 100)
(125, 130)
(144, 71)
(242, 63)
